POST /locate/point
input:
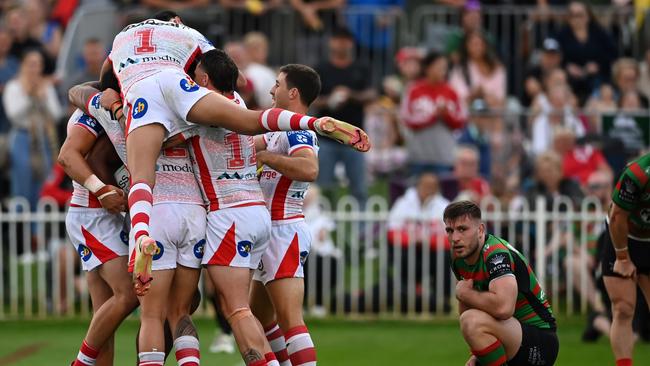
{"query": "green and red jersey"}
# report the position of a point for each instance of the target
(632, 193)
(498, 258)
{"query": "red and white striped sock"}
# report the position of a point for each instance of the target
(140, 203)
(278, 345)
(271, 360)
(187, 351)
(277, 119)
(151, 359)
(300, 346)
(86, 356)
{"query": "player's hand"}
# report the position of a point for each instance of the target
(625, 268)
(472, 361)
(108, 97)
(113, 200)
(463, 286)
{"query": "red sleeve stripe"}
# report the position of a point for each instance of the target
(88, 105)
(639, 173)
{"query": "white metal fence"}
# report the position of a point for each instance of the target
(353, 269)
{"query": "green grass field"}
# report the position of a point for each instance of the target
(338, 342)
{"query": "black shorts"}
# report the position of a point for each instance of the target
(539, 347)
(639, 252)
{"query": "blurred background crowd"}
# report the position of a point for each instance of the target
(511, 100)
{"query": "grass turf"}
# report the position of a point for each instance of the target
(339, 342)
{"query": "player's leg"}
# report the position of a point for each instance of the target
(223, 339)
(110, 315)
(100, 292)
(492, 341)
(287, 295)
(215, 110)
(186, 338)
(153, 308)
(622, 293)
(143, 146)
(264, 311)
(232, 285)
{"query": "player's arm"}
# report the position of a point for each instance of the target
(500, 298)
(71, 157)
(103, 160)
(301, 166)
(618, 230)
(260, 143)
(79, 95)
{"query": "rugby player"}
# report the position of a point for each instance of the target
(626, 260)
(180, 243)
(150, 59)
(505, 317)
(290, 162)
(95, 225)
(238, 223)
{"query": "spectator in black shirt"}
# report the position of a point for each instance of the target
(346, 90)
(588, 50)
(550, 58)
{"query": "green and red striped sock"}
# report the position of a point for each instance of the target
(492, 355)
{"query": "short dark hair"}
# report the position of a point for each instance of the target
(109, 80)
(342, 32)
(303, 78)
(430, 58)
(165, 15)
(460, 209)
(221, 70)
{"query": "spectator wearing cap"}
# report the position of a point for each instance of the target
(430, 114)
(471, 20)
(476, 133)
(588, 50)
(550, 58)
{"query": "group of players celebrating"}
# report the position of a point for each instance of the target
(166, 107)
(212, 184)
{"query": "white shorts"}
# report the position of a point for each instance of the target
(97, 235)
(165, 98)
(179, 231)
(286, 254)
(237, 237)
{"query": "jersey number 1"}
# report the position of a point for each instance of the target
(145, 42)
(236, 161)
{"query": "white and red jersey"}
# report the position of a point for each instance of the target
(226, 166)
(175, 182)
(284, 197)
(81, 197)
(142, 49)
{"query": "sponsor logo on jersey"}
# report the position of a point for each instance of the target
(129, 61)
(303, 257)
(199, 249)
(645, 215)
(84, 252)
(261, 265)
(95, 101)
(189, 85)
(300, 138)
(269, 174)
(124, 237)
(160, 250)
(165, 58)
(628, 190)
(140, 108)
(88, 121)
(235, 175)
(186, 168)
(299, 195)
(153, 22)
(244, 247)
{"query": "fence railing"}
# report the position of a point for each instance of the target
(380, 31)
(356, 267)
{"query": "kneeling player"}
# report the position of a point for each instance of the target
(289, 161)
(505, 317)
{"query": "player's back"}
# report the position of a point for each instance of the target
(226, 166)
(142, 49)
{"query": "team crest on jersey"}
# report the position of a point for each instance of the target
(303, 257)
(160, 250)
(199, 249)
(95, 101)
(189, 85)
(84, 252)
(244, 247)
(88, 121)
(124, 237)
(497, 259)
(140, 108)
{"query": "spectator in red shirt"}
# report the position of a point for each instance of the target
(466, 182)
(578, 161)
(431, 112)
